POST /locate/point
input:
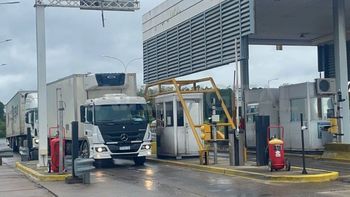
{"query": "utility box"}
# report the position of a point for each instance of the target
(174, 135)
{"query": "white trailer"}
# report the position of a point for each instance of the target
(113, 121)
(21, 122)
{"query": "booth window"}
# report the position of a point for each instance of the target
(180, 115)
(169, 119)
(297, 106)
(319, 108)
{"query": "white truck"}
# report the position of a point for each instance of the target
(22, 122)
(113, 121)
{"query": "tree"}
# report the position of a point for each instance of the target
(2, 115)
(2, 121)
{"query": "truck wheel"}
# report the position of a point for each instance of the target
(34, 154)
(15, 145)
(270, 166)
(139, 161)
(84, 150)
(288, 165)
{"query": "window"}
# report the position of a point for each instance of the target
(169, 114)
(252, 112)
(180, 115)
(135, 113)
(89, 114)
(297, 106)
(160, 115)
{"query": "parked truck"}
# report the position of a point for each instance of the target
(113, 121)
(22, 122)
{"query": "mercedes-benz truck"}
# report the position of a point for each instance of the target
(113, 121)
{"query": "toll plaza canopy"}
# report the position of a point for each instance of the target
(295, 22)
(184, 37)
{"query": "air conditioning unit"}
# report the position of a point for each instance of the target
(325, 86)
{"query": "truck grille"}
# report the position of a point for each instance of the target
(123, 134)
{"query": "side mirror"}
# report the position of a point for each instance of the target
(82, 114)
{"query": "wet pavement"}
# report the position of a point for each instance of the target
(154, 179)
(163, 180)
(13, 183)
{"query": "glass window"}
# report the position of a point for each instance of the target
(169, 114)
(120, 113)
(326, 105)
(180, 115)
(160, 114)
(297, 106)
(319, 108)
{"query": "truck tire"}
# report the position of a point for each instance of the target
(15, 145)
(34, 154)
(139, 161)
(84, 150)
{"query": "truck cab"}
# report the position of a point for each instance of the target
(31, 122)
(116, 126)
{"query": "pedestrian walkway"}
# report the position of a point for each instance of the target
(13, 183)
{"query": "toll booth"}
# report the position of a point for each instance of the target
(284, 106)
(260, 102)
(174, 135)
(303, 98)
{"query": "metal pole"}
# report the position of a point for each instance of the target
(302, 142)
(42, 94)
(231, 137)
(75, 144)
(341, 63)
(60, 129)
(214, 133)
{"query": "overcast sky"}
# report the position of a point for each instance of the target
(76, 42)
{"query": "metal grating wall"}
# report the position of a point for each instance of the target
(203, 42)
(326, 60)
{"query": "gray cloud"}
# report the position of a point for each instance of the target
(76, 41)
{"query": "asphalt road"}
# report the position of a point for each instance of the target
(162, 180)
(153, 179)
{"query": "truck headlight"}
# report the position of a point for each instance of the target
(147, 147)
(36, 141)
(101, 149)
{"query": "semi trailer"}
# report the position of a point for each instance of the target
(22, 122)
(113, 121)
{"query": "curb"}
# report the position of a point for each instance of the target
(334, 159)
(36, 175)
(323, 177)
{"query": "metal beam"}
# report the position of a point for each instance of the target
(113, 5)
(341, 70)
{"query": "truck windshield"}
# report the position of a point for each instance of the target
(135, 113)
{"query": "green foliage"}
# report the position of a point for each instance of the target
(2, 121)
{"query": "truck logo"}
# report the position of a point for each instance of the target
(124, 137)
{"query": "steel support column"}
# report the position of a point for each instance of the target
(42, 94)
(244, 63)
(244, 70)
(341, 63)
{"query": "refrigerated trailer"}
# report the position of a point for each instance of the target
(22, 122)
(113, 121)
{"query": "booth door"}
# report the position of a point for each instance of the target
(190, 143)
